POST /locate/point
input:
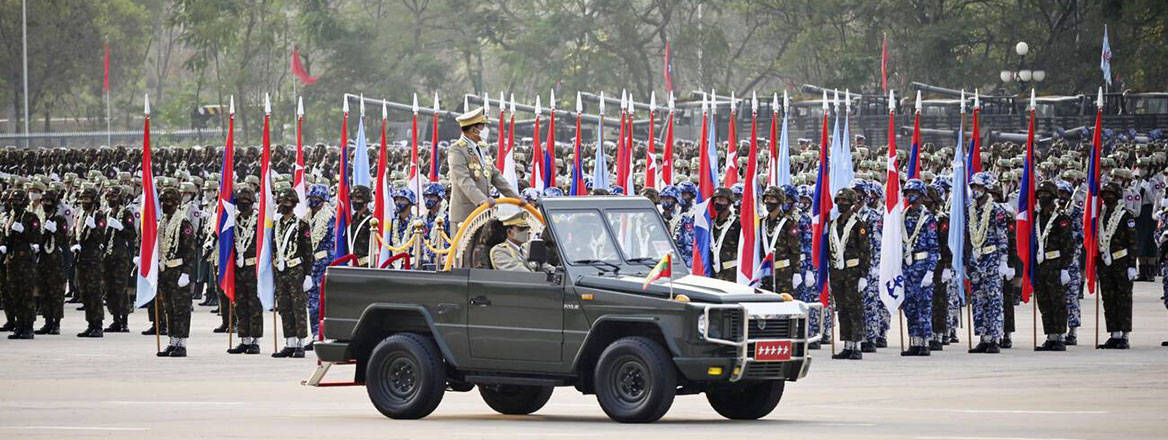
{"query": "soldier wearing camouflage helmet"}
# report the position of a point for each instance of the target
(248, 310)
(176, 262)
(849, 255)
(118, 261)
(88, 240)
(1117, 246)
(780, 237)
(293, 265)
(21, 244)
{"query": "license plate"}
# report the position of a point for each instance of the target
(772, 351)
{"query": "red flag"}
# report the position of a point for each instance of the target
(434, 152)
(147, 276)
(667, 155)
(622, 168)
(549, 154)
(650, 160)
(1092, 204)
(975, 153)
(884, 64)
(299, 70)
(748, 241)
(380, 198)
(536, 154)
(105, 81)
(668, 69)
(499, 158)
(732, 152)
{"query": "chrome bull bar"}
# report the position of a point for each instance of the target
(742, 346)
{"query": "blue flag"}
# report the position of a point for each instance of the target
(361, 157)
(600, 168)
(957, 207)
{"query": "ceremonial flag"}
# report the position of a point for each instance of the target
(341, 224)
(434, 138)
(265, 283)
(299, 70)
(578, 187)
(891, 241)
(884, 64)
(414, 178)
(1105, 57)
(712, 142)
(622, 165)
(731, 175)
(748, 236)
(105, 88)
(1027, 241)
(147, 274)
(650, 152)
(382, 198)
(627, 183)
(299, 183)
(225, 211)
(781, 162)
(957, 222)
(707, 181)
(537, 171)
(914, 169)
(667, 155)
(502, 133)
(821, 209)
(549, 153)
(668, 69)
(664, 268)
(361, 175)
(975, 139)
(509, 156)
(1093, 203)
(842, 174)
(600, 167)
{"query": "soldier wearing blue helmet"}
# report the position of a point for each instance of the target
(679, 221)
(808, 292)
(921, 253)
(988, 225)
(530, 195)
(689, 192)
(1074, 210)
(321, 220)
(737, 189)
(876, 317)
(553, 191)
(437, 222)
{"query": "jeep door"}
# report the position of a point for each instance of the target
(515, 316)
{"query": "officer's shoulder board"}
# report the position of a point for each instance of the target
(461, 143)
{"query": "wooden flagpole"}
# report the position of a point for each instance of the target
(900, 326)
(1034, 319)
(1098, 293)
(158, 331)
(275, 330)
(230, 323)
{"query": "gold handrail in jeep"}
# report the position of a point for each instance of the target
(473, 219)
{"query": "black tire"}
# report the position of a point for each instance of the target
(515, 399)
(635, 380)
(406, 376)
(746, 401)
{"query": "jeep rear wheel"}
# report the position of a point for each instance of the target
(406, 376)
(746, 401)
(515, 399)
(635, 380)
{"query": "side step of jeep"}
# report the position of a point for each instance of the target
(322, 368)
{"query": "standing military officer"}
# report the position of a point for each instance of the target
(249, 313)
(1074, 210)
(20, 246)
(176, 261)
(987, 263)
(876, 316)
(1055, 251)
(472, 173)
(680, 224)
(849, 258)
(88, 238)
(1116, 253)
(50, 266)
(724, 233)
(921, 252)
(119, 254)
(321, 220)
(437, 223)
(780, 236)
(361, 238)
(293, 265)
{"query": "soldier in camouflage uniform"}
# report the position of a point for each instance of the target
(987, 230)
(321, 220)
(50, 267)
(1117, 269)
(849, 256)
(876, 316)
(176, 261)
(249, 313)
(1012, 277)
(401, 224)
(89, 239)
(808, 291)
(1074, 211)
(1056, 249)
(360, 230)
(680, 225)
(437, 223)
(293, 264)
(119, 254)
(780, 237)
(683, 232)
(724, 236)
(944, 276)
(20, 248)
(921, 252)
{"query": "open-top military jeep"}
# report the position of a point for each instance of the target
(584, 320)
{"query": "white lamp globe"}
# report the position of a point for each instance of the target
(1022, 48)
(1006, 76)
(1039, 75)
(1025, 75)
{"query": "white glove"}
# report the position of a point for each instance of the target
(308, 283)
(135, 261)
(300, 211)
(17, 227)
(89, 222)
(1041, 257)
(797, 280)
(36, 248)
(862, 284)
(1010, 273)
(75, 248)
(3, 249)
(115, 223)
(1107, 259)
(50, 226)
(809, 278)
(928, 281)
(946, 275)
(183, 280)
(1064, 277)
(1131, 274)
(207, 246)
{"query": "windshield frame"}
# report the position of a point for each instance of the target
(626, 268)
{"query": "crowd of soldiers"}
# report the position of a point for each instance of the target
(70, 235)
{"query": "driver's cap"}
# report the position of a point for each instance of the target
(510, 215)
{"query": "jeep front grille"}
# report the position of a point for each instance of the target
(760, 370)
(772, 328)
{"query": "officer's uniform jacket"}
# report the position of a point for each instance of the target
(472, 174)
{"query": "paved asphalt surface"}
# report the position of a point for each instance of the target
(64, 387)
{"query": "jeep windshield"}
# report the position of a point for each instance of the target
(633, 238)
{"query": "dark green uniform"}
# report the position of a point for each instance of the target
(22, 242)
(176, 258)
(1057, 248)
(849, 257)
(51, 271)
(89, 240)
(293, 263)
(781, 236)
(249, 312)
(940, 290)
(118, 264)
(1118, 240)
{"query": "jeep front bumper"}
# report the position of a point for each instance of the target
(745, 364)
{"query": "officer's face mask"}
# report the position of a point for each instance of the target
(357, 206)
(34, 195)
(668, 205)
(168, 206)
(521, 235)
(771, 206)
(315, 201)
(244, 205)
(912, 197)
(720, 207)
(978, 193)
(431, 203)
(286, 207)
(804, 204)
(187, 197)
(208, 196)
(484, 134)
(402, 207)
(843, 207)
(786, 206)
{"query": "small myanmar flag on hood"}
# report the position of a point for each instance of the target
(664, 268)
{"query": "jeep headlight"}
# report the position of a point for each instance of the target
(702, 324)
(709, 327)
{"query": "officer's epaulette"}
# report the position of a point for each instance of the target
(461, 143)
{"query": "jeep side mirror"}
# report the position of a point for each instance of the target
(537, 251)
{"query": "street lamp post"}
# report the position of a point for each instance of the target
(1022, 75)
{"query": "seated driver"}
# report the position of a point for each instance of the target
(511, 254)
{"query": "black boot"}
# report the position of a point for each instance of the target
(178, 352)
(56, 329)
(8, 326)
(1071, 340)
(298, 353)
(845, 354)
(45, 329)
(113, 327)
(166, 352)
(992, 348)
(979, 348)
(253, 349)
(309, 346)
(880, 342)
(238, 348)
(149, 331)
(220, 329)
(1110, 344)
(912, 351)
(1007, 342)
(867, 347)
(286, 352)
(1122, 344)
(811, 346)
(935, 345)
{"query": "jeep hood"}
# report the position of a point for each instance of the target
(699, 289)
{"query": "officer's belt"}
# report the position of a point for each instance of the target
(249, 262)
(1119, 254)
(290, 263)
(852, 263)
(320, 254)
(172, 263)
(1052, 255)
(729, 264)
(920, 256)
(988, 250)
(362, 261)
(782, 263)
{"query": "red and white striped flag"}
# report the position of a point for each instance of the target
(748, 239)
(731, 176)
(891, 288)
(147, 275)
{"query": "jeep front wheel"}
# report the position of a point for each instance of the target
(406, 376)
(515, 399)
(635, 380)
(746, 401)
